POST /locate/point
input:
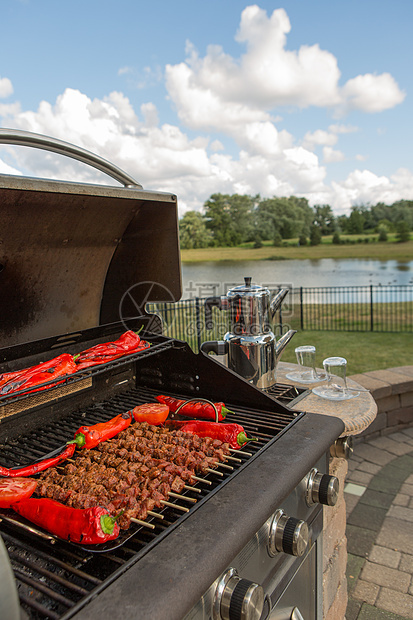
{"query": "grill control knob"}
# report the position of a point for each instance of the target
(237, 598)
(287, 534)
(342, 448)
(322, 488)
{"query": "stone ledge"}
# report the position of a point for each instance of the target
(392, 390)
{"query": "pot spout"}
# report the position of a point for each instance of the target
(282, 343)
(277, 300)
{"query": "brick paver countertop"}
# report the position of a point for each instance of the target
(379, 500)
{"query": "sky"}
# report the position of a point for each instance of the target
(311, 98)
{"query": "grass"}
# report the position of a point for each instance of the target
(364, 351)
(389, 250)
(392, 316)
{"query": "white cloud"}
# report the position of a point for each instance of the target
(319, 137)
(6, 169)
(372, 93)
(220, 92)
(342, 129)
(332, 155)
(365, 187)
(6, 88)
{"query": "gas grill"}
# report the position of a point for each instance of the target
(78, 264)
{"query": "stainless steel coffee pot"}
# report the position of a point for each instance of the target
(251, 347)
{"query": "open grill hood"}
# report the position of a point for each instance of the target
(75, 256)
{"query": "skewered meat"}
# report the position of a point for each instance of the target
(134, 472)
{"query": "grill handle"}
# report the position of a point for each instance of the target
(35, 140)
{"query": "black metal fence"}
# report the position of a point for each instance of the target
(341, 308)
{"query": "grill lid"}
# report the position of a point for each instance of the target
(74, 256)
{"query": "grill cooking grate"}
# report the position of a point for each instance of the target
(56, 578)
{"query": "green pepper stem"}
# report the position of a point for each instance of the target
(79, 440)
(242, 438)
(107, 522)
(225, 411)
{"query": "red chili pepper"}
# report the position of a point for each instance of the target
(7, 376)
(42, 373)
(194, 409)
(89, 526)
(128, 343)
(234, 434)
(34, 468)
(90, 436)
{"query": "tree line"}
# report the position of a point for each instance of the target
(230, 220)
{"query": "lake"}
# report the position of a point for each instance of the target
(215, 278)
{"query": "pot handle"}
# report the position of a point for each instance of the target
(210, 302)
(35, 140)
(219, 347)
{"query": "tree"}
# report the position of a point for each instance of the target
(290, 216)
(193, 232)
(229, 218)
(324, 218)
(336, 238)
(403, 232)
(382, 230)
(355, 222)
(315, 235)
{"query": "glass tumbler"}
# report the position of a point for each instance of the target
(336, 388)
(306, 372)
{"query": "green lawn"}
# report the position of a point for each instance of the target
(390, 250)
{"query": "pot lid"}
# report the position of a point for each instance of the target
(248, 289)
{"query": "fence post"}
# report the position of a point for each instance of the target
(301, 309)
(371, 309)
(198, 322)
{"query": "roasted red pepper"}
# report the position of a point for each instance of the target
(91, 436)
(194, 409)
(42, 373)
(233, 434)
(128, 343)
(34, 468)
(89, 526)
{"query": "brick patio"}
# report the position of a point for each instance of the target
(379, 505)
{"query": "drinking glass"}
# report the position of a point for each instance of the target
(306, 372)
(336, 388)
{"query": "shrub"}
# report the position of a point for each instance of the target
(315, 235)
(277, 240)
(336, 238)
(382, 230)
